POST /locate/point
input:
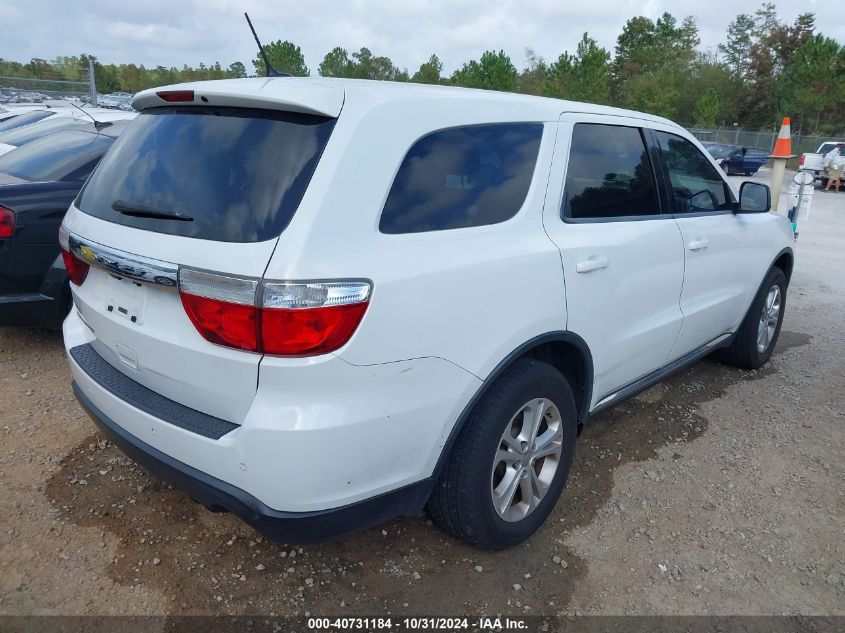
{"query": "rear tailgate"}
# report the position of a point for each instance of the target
(239, 175)
(811, 162)
(143, 330)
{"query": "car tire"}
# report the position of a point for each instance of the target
(476, 475)
(758, 334)
(725, 167)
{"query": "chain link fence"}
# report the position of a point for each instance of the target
(18, 89)
(758, 139)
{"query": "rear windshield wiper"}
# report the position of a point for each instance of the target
(140, 211)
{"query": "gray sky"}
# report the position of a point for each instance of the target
(176, 32)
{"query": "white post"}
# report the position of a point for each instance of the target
(91, 81)
(778, 169)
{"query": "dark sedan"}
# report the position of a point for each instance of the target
(37, 184)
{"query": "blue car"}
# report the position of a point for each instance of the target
(734, 159)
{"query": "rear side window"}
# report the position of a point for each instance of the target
(61, 156)
(609, 174)
(462, 177)
(696, 184)
(238, 173)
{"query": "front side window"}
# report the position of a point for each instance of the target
(696, 184)
(461, 177)
(609, 174)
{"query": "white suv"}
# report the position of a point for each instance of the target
(320, 304)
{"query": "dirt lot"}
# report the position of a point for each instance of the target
(719, 492)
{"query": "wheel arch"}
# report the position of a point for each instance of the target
(785, 260)
(566, 351)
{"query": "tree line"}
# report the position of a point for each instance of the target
(764, 69)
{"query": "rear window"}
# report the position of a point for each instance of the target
(462, 177)
(24, 119)
(66, 155)
(609, 174)
(238, 173)
(24, 135)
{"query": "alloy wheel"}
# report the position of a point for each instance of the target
(769, 319)
(527, 459)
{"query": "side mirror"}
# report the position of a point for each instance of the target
(754, 197)
(703, 201)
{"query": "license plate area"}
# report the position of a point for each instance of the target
(126, 299)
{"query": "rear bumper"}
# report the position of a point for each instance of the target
(285, 527)
(34, 298)
(323, 441)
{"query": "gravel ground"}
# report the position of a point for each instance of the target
(717, 492)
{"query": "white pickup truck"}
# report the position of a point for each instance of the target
(814, 162)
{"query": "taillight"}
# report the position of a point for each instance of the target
(7, 222)
(801, 160)
(77, 270)
(176, 96)
(221, 322)
(311, 318)
(221, 308)
(276, 318)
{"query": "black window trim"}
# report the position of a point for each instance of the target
(667, 187)
(659, 185)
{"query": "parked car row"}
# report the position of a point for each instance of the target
(116, 100)
(15, 96)
(45, 157)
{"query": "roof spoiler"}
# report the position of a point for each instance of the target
(303, 95)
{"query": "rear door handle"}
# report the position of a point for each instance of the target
(593, 263)
(698, 244)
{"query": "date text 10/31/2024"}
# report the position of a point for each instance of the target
(420, 623)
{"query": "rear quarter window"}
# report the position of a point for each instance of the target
(462, 177)
(238, 173)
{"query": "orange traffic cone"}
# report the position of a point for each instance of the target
(780, 154)
(783, 144)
